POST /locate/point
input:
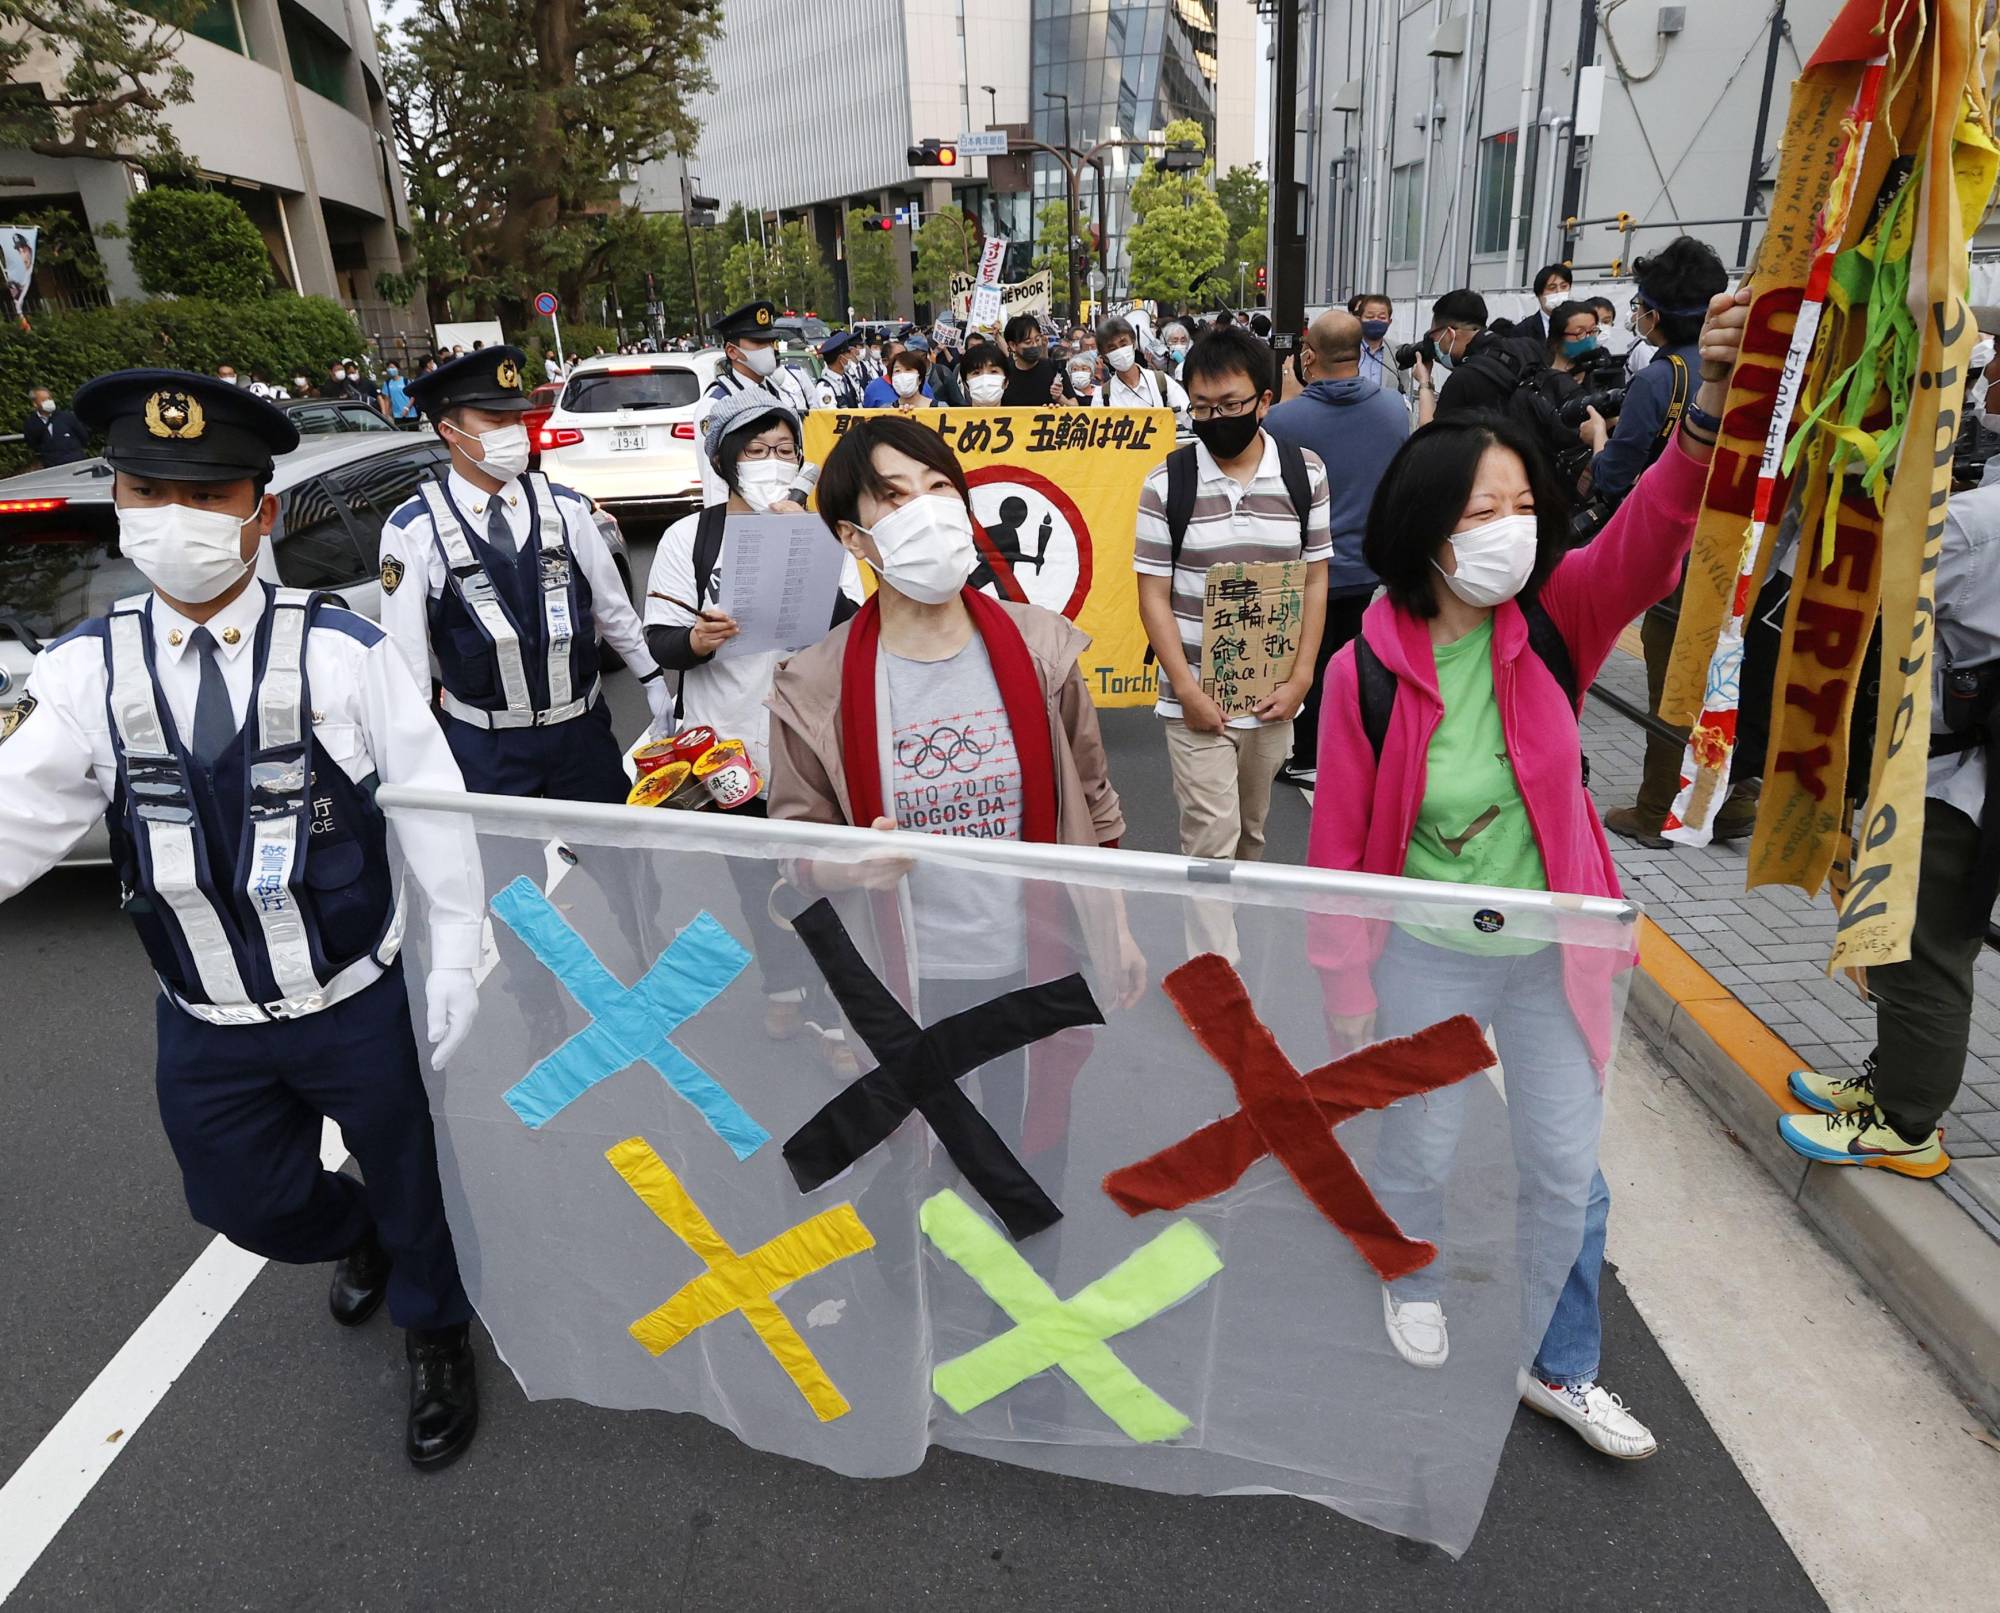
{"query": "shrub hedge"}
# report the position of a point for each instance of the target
(275, 335)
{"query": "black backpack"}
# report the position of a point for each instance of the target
(1182, 476)
(1375, 684)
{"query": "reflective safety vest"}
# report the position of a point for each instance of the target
(261, 886)
(515, 641)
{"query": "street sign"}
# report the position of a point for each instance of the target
(983, 143)
(545, 303)
(1096, 280)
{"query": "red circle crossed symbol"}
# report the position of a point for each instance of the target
(1010, 588)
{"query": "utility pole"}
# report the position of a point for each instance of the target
(1069, 167)
(1756, 186)
(1285, 250)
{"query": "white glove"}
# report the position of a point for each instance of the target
(453, 1001)
(661, 701)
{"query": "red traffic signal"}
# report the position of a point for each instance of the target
(1263, 277)
(933, 154)
(878, 221)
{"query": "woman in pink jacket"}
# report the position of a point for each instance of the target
(1477, 778)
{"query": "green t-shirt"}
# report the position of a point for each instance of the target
(1472, 828)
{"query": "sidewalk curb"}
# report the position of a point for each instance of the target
(1924, 1255)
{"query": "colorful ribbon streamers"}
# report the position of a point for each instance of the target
(736, 1282)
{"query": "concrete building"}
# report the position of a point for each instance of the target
(825, 122)
(1413, 119)
(288, 118)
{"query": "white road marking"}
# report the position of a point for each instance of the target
(62, 1470)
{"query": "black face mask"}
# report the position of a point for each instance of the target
(1227, 437)
(1029, 356)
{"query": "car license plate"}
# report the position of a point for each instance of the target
(628, 439)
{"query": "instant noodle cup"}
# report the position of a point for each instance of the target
(692, 743)
(729, 774)
(655, 753)
(658, 782)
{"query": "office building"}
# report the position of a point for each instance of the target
(288, 119)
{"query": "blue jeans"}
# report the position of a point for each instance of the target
(1555, 1111)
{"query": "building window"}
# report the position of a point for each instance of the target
(1493, 192)
(216, 22)
(319, 60)
(1406, 187)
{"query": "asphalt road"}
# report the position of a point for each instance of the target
(272, 1475)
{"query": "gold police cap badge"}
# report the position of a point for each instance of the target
(763, 316)
(174, 414)
(508, 375)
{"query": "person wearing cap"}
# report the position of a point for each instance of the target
(231, 733)
(841, 384)
(749, 338)
(754, 442)
(503, 578)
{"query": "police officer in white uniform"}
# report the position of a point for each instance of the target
(749, 338)
(841, 386)
(503, 578)
(232, 733)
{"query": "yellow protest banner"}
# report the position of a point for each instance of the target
(1055, 500)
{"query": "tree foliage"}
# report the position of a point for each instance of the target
(947, 244)
(92, 78)
(1051, 231)
(871, 267)
(514, 119)
(1181, 233)
(65, 245)
(196, 243)
(1245, 196)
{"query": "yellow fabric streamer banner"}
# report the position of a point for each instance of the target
(736, 1282)
(1055, 493)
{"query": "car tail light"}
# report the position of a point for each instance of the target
(31, 506)
(560, 437)
(684, 430)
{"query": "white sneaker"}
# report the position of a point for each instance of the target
(1595, 1413)
(1417, 1330)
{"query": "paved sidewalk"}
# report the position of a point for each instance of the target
(1769, 946)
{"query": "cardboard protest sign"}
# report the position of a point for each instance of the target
(1250, 621)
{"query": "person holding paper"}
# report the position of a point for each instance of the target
(753, 443)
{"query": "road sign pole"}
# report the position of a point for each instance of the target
(555, 325)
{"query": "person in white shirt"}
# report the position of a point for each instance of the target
(754, 443)
(504, 580)
(749, 338)
(1130, 379)
(231, 733)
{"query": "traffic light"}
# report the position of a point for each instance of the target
(878, 221)
(1263, 278)
(701, 210)
(933, 154)
(1182, 157)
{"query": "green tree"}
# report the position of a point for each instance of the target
(1181, 233)
(748, 273)
(947, 244)
(92, 78)
(871, 267)
(1245, 196)
(515, 119)
(64, 245)
(804, 280)
(196, 243)
(1051, 230)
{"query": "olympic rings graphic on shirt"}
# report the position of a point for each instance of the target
(943, 750)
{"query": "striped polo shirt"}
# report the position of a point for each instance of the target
(1232, 524)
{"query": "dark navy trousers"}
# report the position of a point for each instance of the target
(242, 1107)
(578, 760)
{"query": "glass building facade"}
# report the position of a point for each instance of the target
(1128, 69)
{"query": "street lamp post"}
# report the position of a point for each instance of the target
(1069, 169)
(994, 101)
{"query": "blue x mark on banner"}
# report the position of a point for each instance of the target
(629, 1025)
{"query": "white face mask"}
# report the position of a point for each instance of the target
(1122, 359)
(340, 375)
(1552, 300)
(926, 547)
(762, 360)
(47, 406)
(986, 387)
(764, 482)
(504, 453)
(188, 554)
(905, 383)
(1079, 377)
(1494, 560)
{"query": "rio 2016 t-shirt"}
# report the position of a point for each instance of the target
(1472, 828)
(954, 770)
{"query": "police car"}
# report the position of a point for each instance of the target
(623, 431)
(59, 561)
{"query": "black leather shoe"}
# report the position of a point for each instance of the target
(360, 1280)
(444, 1396)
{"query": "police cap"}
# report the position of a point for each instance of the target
(839, 342)
(754, 321)
(489, 379)
(184, 427)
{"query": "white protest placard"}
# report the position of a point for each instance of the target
(992, 257)
(777, 576)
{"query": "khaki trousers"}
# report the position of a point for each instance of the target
(1222, 786)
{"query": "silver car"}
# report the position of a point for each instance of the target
(60, 565)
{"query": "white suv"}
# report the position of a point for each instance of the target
(623, 431)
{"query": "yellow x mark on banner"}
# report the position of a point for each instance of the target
(736, 1282)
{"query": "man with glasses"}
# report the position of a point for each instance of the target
(1236, 496)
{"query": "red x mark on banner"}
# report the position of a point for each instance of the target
(1293, 1115)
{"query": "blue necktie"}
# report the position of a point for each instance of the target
(214, 717)
(499, 533)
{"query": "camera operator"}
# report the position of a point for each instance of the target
(1575, 362)
(1482, 367)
